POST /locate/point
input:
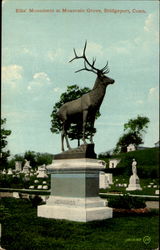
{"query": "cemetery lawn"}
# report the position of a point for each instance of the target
(22, 229)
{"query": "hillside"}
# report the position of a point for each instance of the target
(147, 163)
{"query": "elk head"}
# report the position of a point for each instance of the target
(99, 72)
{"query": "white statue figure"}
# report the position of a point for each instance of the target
(134, 183)
(134, 168)
(26, 167)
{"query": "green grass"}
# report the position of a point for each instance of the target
(147, 163)
(22, 229)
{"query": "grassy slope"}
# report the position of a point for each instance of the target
(23, 230)
(147, 163)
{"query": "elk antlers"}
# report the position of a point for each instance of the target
(104, 70)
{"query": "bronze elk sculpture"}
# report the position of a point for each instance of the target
(83, 109)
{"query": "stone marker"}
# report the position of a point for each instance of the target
(110, 178)
(157, 191)
(26, 167)
(103, 180)
(42, 172)
(74, 191)
(4, 171)
(10, 172)
(134, 183)
(18, 166)
(16, 195)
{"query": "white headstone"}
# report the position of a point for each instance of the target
(157, 192)
(110, 178)
(18, 166)
(10, 172)
(134, 183)
(4, 171)
(26, 167)
(113, 163)
(42, 172)
(131, 147)
(103, 180)
(15, 195)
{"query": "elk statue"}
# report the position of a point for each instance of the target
(83, 109)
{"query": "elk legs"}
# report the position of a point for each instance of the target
(85, 113)
(64, 135)
(92, 120)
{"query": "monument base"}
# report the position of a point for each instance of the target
(134, 183)
(80, 210)
(74, 191)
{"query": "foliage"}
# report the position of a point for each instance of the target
(20, 181)
(75, 131)
(24, 230)
(4, 213)
(3, 138)
(138, 125)
(126, 139)
(36, 200)
(134, 130)
(126, 201)
(36, 159)
(147, 163)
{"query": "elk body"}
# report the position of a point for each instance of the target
(84, 109)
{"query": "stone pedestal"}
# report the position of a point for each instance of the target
(74, 191)
(134, 183)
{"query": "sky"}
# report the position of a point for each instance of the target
(36, 48)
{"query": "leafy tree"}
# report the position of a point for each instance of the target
(138, 125)
(75, 131)
(43, 158)
(36, 159)
(4, 153)
(134, 130)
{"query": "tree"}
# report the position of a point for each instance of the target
(75, 131)
(4, 153)
(134, 130)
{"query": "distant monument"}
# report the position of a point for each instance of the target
(26, 167)
(42, 172)
(18, 166)
(105, 180)
(75, 172)
(134, 183)
(10, 172)
(131, 147)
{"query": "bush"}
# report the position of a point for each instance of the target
(147, 163)
(36, 200)
(126, 201)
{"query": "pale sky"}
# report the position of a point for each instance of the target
(36, 49)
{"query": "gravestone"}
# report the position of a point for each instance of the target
(18, 166)
(26, 167)
(110, 178)
(42, 172)
(157, 192)
(10, 172)
(75, 188)
(104, 181)
(134, 183)
(4, 171)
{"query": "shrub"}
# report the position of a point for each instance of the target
(126, 201)
(36, 200)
